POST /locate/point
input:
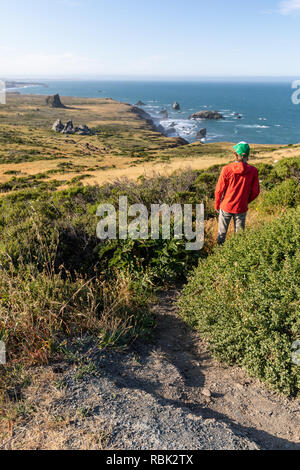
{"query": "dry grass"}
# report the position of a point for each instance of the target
(33, 414)
(46, 424)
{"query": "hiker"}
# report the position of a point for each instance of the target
(238, 185)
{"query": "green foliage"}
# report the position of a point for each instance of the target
(55, 272)
(285, 195)
(245, 300)
(161, 260)
(271, 176)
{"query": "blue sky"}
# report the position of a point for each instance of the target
(143, 38)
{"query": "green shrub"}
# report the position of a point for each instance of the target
(162, 260)
(282, 196)
(245, 300)
(272, 175)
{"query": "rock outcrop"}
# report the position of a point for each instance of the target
(84, 130)
(176, 106)
(140, 103)
(207, 115)
(178, 142)
(54, 101)
(70, 129)
(202, 133)
(142, 115)
(164, 114)
(170, 131)
(58, 126)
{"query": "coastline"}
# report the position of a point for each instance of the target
(270, 120)
(124, 144)
(14, 85)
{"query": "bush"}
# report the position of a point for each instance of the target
(162, 260)
(281, 197)
(270, 176)
(245, 301)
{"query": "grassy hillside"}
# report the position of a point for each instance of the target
(57, 280)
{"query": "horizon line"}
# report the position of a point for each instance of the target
(148, 77)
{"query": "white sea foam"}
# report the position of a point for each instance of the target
(212, 137)
(253, 126)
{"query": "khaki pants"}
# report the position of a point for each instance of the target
(224, 221)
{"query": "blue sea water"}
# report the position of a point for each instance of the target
(268, 114)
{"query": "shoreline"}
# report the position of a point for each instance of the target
(156, 120)
(250, 118)
(12, 85)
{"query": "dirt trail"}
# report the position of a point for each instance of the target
(167, 394)
(243, 403)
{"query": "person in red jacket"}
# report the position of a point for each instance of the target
(238, 185)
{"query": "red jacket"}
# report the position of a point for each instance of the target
(238, 186)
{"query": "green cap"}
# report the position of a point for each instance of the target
(243, 149)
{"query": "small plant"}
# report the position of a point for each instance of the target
(86, 370)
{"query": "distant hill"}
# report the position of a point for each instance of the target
(15, 84)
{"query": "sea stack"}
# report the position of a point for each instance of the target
(164, 113)
(176, 106)
(202, 133)
(54, 101)
(207, 115)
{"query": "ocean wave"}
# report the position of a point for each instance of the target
(182, 127)
(212, 137)
(253, 126)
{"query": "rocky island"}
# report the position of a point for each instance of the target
(210, 115)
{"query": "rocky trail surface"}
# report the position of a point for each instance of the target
(166, 395)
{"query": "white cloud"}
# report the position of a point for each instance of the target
(288, 7)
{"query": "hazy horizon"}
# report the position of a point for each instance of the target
(276, 79)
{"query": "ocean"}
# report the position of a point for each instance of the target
(268, 115)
